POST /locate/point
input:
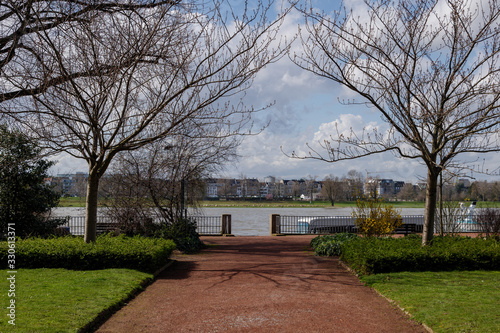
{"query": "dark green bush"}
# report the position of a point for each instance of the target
(330, 245)
(25, 198)
(140, 253)
(183, 233)
(384, 255)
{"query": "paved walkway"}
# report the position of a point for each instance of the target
(258, 284)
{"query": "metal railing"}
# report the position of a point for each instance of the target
(314, 224)
(205, 225)
(208, 225)
(459, 224)
(334, 224)
(76, 224)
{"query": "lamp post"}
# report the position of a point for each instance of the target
(183, 214)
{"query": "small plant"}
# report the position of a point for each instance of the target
(331, 245)
(375, 218)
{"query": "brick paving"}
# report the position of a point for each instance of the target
(258, 284)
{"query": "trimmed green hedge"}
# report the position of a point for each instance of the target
(139, 253)
(384, 255)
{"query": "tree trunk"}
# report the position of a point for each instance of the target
(430, 205)
(91, 207)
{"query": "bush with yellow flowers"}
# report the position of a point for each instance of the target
(373, 217)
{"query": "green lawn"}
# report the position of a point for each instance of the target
(72, 202)
(466, 301)
(60, 300)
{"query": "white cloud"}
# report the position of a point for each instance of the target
(67, 164)
(306, 111)
(345, 125)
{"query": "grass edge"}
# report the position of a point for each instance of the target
(391, 301)
(108, 312)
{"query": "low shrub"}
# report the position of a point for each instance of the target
(384, 255)
(139, 253)
(183, 233)
(330, 245)
(373, 217)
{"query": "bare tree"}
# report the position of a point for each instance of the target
(431, 68)
(23, 64)
(407, 192)
(479, 190)
(372, 186)
(177, 67)
(159, 180)
(311, 187)
(354, 181)
(296, 189)
(494, 193)
(333, 189)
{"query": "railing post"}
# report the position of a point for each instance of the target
(274, 227)
(226, 224)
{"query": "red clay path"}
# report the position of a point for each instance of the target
(258, 284)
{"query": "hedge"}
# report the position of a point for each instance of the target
(383, 255)
(139, 253)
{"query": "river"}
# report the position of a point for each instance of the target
(253, 221)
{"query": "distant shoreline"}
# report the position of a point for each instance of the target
(80, 202)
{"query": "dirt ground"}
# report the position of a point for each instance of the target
(258, 284)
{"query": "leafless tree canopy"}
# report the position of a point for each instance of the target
(431, 68)
(23, 22)
(150, 70)
(334, 189)
(162, 178)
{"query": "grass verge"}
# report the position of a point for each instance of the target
(60, 300)
(458, 301)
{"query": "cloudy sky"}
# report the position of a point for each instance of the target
(306, 109)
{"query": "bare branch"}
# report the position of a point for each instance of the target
(431, 72)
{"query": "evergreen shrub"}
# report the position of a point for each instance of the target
(183, 233)
(383, 255)
(139, 253)
(330, 245)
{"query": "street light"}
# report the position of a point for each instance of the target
(183, 190)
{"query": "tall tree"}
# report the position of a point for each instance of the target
(431, 68)
(23, 66)
(164, 177)
(333, 189)
(175, 68)
(355, 184)
(25, 199)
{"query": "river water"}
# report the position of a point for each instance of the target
(253, 221)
